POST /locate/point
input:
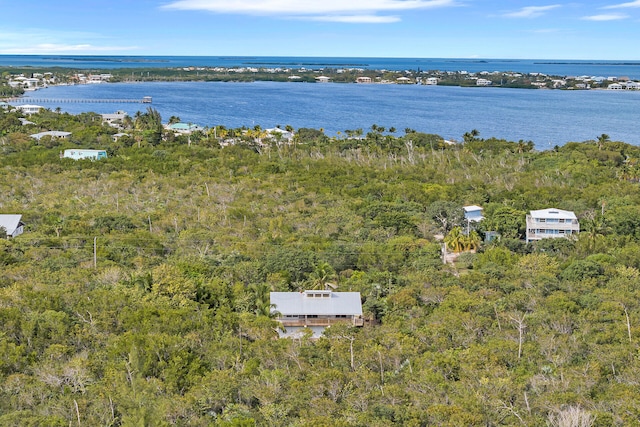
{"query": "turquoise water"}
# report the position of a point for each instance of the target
(546, 66)
(546, 117)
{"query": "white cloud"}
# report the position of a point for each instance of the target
(356, 19)
(635, 3)
(42, 41)
(48, 48)
(605, 17)
(546, 31)
(348, 11)
(531, 11)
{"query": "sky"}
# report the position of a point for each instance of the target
(590, 30)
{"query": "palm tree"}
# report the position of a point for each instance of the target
(471, 136)
(455, 239)
(471, 241)
(321, 274)
(602, 139)
(262, 299)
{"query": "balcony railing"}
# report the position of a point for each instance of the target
(321, 321)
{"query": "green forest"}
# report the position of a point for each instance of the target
(138, 293)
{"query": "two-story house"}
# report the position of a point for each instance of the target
(551, 223)
(316, 310)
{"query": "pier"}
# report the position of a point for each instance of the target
(145, 100)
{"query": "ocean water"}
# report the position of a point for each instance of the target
(546, 117)
(546, 66)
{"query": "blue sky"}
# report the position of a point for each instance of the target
(361, 28)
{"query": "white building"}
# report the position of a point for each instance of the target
(29, 109)
(81, 153)
(280, 134)
(183, 128)
(56, 134)
(316, 310)
(12, 224)
(473, 213)
(483, 82)
(551, 223)
(114, 119)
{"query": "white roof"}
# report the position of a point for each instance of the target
(553, 213)
(471, 208)
(10, 222)
(83, 150)
(52, 133)
(114, 116)
(29, 107)
(300, 303)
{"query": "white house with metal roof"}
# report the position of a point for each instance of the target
(316, 310)
(551, 223)
(29, 109)
(12, 224)
(114, 119)
(52, 133)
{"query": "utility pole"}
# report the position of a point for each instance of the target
(95, 253)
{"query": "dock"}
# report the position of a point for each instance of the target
(145, 100)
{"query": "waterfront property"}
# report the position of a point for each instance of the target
(12, 224)
(280, 134)
(54, 134)
(316, 310)
(114, 119)
(29, 109)
(183, 128)
(80, 153)
(551, 223)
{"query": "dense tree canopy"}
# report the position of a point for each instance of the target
(169, 324)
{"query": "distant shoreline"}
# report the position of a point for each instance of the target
(556, 66)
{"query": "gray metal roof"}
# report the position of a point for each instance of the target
(10, 222)
(300, 303)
